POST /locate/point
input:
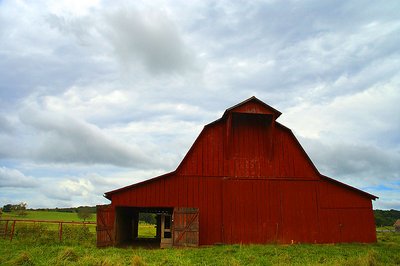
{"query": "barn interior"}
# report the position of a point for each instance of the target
(127, 231)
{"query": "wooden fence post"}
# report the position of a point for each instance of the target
(12, 231)
(60, 227)
(5, 230)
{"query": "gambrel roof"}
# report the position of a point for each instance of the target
(249, 106)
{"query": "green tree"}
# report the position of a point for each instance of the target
(149, 218)
(7, 208)
(84, 214)
(21, 209)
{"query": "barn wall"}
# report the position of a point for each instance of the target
(290, 211)
(181, 191)
(346, 215)
(209, 155)
(248, 210)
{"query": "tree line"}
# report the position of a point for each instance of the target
(386, 218)
(382, 217)
(91, 209)
(19, 208)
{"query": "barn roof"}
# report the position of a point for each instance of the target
(108, 194)
(237, 108)
(253, 99)
(256, 100)
(349, 187)
(397, 223)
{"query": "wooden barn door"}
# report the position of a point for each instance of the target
(105, 225)
(251, 211)
(186, 227)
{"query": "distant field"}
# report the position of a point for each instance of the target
(47, 215)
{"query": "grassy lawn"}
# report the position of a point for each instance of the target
(47, 215)
(80, 249)
(385, 252)
(146, 230)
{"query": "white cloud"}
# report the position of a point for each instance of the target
(356, 117)
(14, 178)
(149, 37)
(65, 139)
(135, 38)
(125, 87)
(73, 7)
(6, 126)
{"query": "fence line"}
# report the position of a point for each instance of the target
(4, 230)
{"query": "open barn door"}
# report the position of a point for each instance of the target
(105, 225)
(186, 227)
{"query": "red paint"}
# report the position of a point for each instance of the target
(253, 183)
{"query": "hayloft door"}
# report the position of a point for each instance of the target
(105, 225)
(186, 227)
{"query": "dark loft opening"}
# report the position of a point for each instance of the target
(250, 135)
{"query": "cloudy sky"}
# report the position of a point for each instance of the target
(95, 95)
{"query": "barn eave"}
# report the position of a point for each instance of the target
(109, 194)
(366, 194)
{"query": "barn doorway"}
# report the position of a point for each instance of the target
(173, 227)
(144, 227)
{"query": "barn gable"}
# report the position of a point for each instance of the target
(246, 179)
(248, 142)
(253, 106)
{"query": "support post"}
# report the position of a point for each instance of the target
(12, 231)
(60, 228)
(6, 229)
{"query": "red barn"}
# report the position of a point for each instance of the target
(246, 179)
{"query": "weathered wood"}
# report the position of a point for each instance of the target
(60, 231)
(165, 241)
(186, 227)
(105, 225)
(12, 230)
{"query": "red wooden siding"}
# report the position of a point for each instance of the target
(252, 182)
(181, 191)
(336, 196)
(209, 157)
(257, 210)
(347, 216)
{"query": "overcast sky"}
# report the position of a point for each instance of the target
(96, 95)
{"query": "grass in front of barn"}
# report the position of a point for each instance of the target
(84, 252)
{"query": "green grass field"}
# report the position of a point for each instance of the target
(47, 215)
(81, 250)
